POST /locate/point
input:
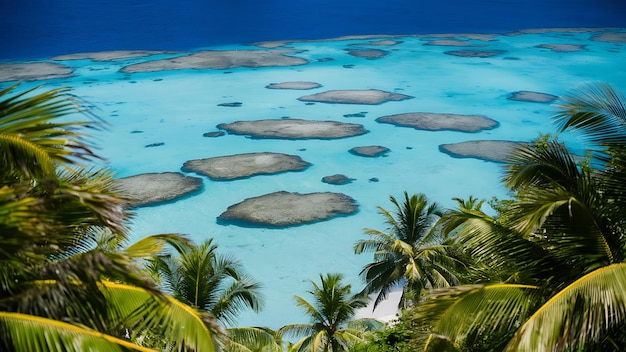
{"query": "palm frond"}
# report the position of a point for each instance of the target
(246, 339)
(345, 340)
(303, 345)
(296, 330)
(29, 333)
(18, 230)
(579, 314)
(488, 241)
(152, 245)
(242, 294)
(378, 241)
(595, 109)
(92, 196)
(23, 155)
(541, 166)
(310, 309)
(141, 310)
(320, 342)
(458, 312)
(31, 141)
(365, 324)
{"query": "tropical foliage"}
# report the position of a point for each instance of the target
(412, 254)
(217, 284)
(332, 328)
(59, 291)
(562, 241)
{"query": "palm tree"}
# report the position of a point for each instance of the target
(204, 279)
(411, 254)
(331, 328)
(200, 277)
(57, 291)
(564, 233)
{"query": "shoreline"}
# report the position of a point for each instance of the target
(387, 311)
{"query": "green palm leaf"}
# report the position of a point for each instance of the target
(253, 339)
(579, 314)
(153, 245)
(331, 315)
(179, 323)
(476, 310)
(597, 110)
(542, 166)
(32, 143)
(409, 254)
(29, 333)
(296, 330)
(202, 278)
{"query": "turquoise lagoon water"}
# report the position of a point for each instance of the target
(176, 107)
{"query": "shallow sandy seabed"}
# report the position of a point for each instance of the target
(279, 43)
(337, 179)
(535, 97)
(281, 209)
(370, 150)
(610, 37)
(245, 165)
(221, 59)
(355, 96)
(474, 53)
(111, 55)
(438, 122)
(559, 30)
(490, 150)
(470, 36)
(293, 129)
(33, 71)
(294, 85)
(562, 48)
(453, 42)
(152, 188)
(383, 42)
(368, 53)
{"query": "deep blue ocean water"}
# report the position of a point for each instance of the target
(43, 28)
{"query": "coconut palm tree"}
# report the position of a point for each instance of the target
(200, 277)
(411, 253)
(212, 282)
(565, 234)
(332, 328)
(57, 290)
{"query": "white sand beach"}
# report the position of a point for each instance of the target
(386, 311)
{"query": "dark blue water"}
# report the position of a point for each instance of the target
(39, 29)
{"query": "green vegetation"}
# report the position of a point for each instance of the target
(332, 327)
(201, 278)
(411, 254)
(59, 290)
(547, 272)
(558, 248)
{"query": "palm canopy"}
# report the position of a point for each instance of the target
(563, 233)
(597, 110)
(207, 280)
(33, 140)
(331, 312)
(412, 253)
(51, 210)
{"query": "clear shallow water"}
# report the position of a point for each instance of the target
(177, 107)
